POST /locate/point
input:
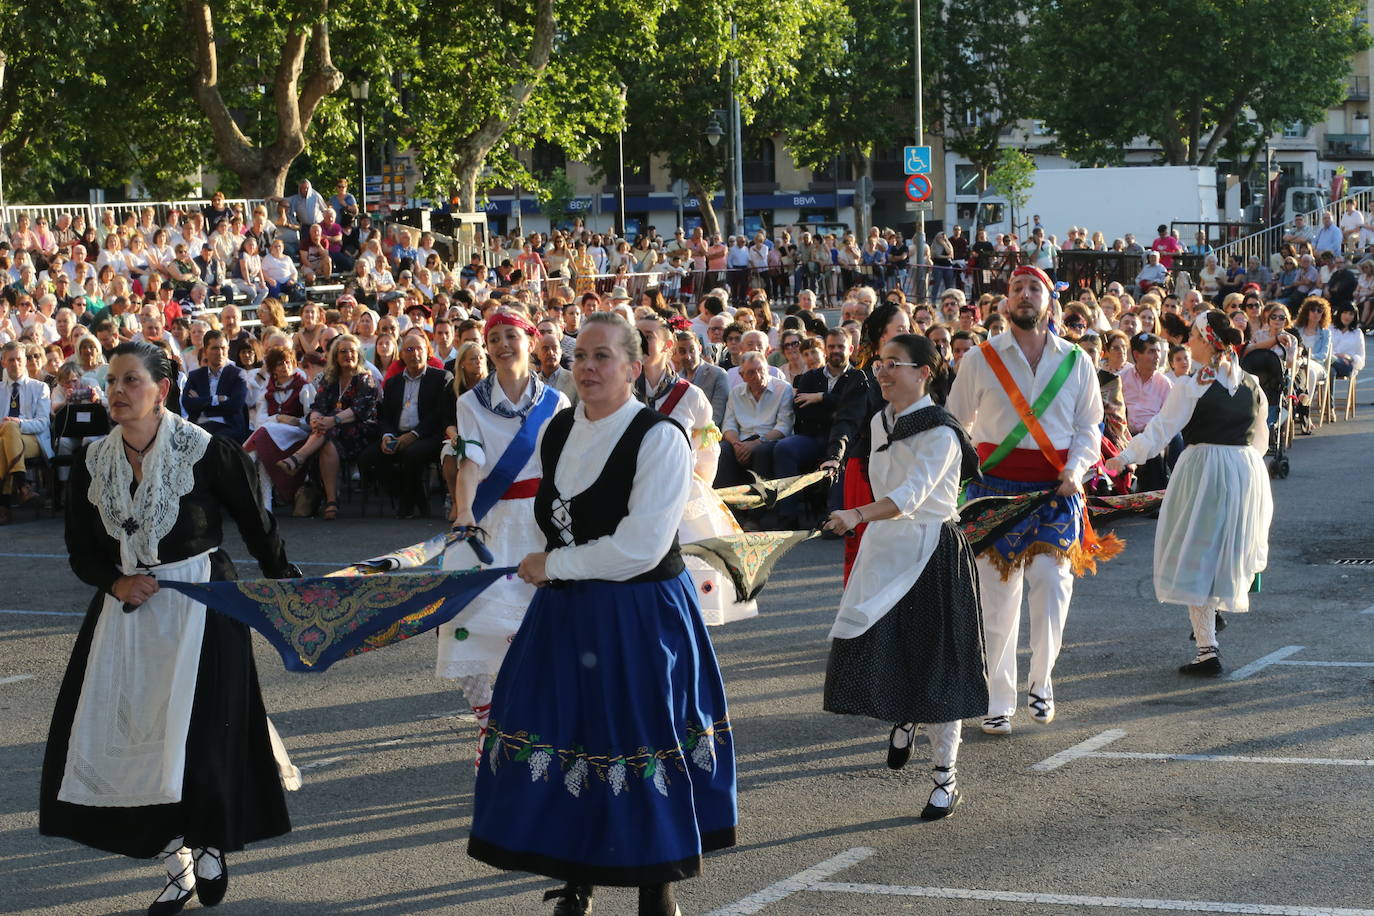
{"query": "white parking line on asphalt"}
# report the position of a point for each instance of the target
(1281, 657)
(14, 679)
(1082, 749)
(1260, 664)
(813, 880)
(1074, 900)
(1368, 610)
(1092, 748)
(801, 881)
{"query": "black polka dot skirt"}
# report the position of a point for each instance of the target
(923, 661)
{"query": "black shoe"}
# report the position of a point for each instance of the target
(944, 779)
(210, 891)
(573, 899)
(1203, 667)
(173, 906)
(898, 756)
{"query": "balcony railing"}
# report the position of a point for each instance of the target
(1347, 146)
(1357, 89)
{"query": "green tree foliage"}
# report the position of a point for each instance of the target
(676, 82)
(855, 85)
(1013, 177)
(1184, 72)
(977, 57)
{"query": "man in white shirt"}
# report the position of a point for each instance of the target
(25, 410)
(737, 269)
(1152, 274)
(758, 414)
(1352, 221)
(1040, 553)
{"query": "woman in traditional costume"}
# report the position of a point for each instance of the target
(609, 759)
(908, 644)
(849, 439)
(706, 516)
(500, 421)
(1213, 533)
(159, 744)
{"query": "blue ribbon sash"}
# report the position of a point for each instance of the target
(515, 456)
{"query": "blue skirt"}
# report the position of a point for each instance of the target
(1055, 527)
(609, 758)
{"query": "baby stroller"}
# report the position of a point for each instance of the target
(1267, 368)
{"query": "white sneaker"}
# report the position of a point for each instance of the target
(1042, 709)
(996, 725)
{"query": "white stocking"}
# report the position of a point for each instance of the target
(477, 689)
(1204, 631)
(176, 858)
(944, 752)
(207, 863)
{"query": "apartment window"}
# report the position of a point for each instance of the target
(1295, 131)
(965, 179)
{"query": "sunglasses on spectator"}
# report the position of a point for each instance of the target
(1076, 325)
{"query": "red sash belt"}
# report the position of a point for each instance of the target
(1028, 465)
(523, 489)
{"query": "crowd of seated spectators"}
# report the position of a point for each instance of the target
(362, 390)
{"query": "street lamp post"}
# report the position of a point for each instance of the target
(621, 194)
(714, 133)
(4, 220)
(359, 90)
(736, 140)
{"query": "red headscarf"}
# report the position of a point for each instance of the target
(512, 319)
(1037, 273)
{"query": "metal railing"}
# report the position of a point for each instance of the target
(94, 214)
(1266, 242)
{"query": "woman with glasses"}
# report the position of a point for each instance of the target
(907, 641)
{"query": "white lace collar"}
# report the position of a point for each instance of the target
(141, 520)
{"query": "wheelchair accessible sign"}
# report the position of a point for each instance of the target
(916, 160)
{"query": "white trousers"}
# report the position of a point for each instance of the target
(1048, 582)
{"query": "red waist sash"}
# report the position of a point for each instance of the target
(523, 489)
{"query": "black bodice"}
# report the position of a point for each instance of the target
(1225, 418)
(598, 510)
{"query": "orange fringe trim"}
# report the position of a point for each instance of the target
(1083, 557)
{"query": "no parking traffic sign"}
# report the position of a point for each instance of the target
(917, 188)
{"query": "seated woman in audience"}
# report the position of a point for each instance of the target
(90, 362)
(1364, 292)
(308, 346)
(343, 419)
(1210, 278)
(385, 352)
(365, 329)
(249, 360)
(1347, 343)
(281, 426)
(1241, 323)
(1118, 351)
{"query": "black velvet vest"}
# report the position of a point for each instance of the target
(599, 509)
(1224, 418)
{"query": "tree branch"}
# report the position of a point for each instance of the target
(234, 148)
(1223, 128)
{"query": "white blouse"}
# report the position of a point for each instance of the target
(1349, 344)
(658, 496)
(693, 413)
(1178, 410)
(488, 434)
(921, 475)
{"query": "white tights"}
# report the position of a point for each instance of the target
(477, 689)
(1204, 629)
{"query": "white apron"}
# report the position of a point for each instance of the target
(128, 739)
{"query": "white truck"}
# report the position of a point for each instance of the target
(1115, 201)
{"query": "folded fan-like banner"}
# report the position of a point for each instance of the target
(314, 622)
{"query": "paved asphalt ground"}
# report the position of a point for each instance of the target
(825, 828)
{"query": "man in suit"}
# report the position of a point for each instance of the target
(417, 406)
(216, 395)
(709, 378)
(815, 400)
(24, 416)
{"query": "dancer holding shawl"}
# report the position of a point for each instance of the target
(1049, 446)
(705, 516)
(908, 644)
(858, 404)
(159, 744)
(500, 421)
(609, 760)
(1213, 533)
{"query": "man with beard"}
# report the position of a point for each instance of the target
(1049, 446)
